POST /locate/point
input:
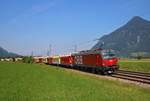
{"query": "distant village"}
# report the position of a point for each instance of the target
(12, 59)
(36, 59)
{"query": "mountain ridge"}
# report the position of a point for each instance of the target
(4, 53)
(130, 38)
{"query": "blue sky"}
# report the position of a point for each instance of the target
(31, 25)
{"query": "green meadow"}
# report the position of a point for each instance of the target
(35, 82)
(135, 65)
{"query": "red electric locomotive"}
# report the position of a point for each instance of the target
(103, 61)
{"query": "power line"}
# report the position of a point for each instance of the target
(86, 42)
(50, 49)
(75, 48)
(31, 53)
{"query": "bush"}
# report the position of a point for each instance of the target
(27, 59)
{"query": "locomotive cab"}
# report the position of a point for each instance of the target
(109, 60)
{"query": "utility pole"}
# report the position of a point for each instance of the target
(50, 49)
(32, 53)
(75, 48)
(47, 53)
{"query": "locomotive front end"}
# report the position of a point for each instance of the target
(109, 61)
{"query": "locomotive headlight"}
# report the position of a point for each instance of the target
(110, 60)
(103, 64)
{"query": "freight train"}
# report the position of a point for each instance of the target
(96, 61)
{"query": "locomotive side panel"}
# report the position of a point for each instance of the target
(78, 60)
(92, 60)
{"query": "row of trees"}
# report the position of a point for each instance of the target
(139, 55)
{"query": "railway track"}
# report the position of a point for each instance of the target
(140, 77)
(133, 76)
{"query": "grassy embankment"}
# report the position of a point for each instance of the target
(135, 65)
(33, 82)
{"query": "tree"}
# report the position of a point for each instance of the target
(27, 59)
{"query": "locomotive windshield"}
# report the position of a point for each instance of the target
(108, 54)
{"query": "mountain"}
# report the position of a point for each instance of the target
(133, 37)
(4, 53)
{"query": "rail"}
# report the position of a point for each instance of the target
(133, 76)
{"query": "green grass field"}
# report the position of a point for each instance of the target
(34, 82)
(135, 65)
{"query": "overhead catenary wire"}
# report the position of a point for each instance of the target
(87, 42)
(73, 48)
